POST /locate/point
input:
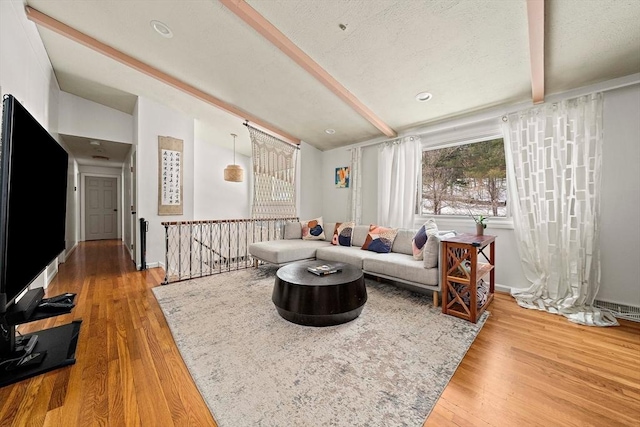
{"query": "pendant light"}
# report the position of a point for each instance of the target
(233, 173)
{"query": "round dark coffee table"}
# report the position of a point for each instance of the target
(306, 299)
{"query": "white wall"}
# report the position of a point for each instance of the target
(80, 117)
(508, 270)
(620, 235)
(620, 202)
(310, 196)
(215, 198)
(155, 120)
(26, 73)
(25, 70)
(335, 201)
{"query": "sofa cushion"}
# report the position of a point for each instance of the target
(342, 233)
(421, 236)
(402, 242)
(312, 229)
(403, 267)
(380, 239)
(359, 235)
(351, 255)
(329, 228)
(292, 230)
(285, 251)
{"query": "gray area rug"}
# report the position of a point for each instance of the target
(386, 368)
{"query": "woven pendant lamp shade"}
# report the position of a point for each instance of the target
(233, 173)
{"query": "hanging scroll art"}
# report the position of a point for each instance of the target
(170, 176)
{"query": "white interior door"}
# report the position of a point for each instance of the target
(101, 208)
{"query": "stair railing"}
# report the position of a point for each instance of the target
(202, 248)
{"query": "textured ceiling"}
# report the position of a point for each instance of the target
(470, 54)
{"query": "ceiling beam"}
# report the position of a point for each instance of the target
(276, 37)
(85, 40)
(535, 18)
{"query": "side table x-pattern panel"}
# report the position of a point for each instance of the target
(467, 260)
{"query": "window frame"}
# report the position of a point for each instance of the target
(436, 143)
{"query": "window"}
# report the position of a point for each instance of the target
(464, 179)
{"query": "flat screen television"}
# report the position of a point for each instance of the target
(33, 200)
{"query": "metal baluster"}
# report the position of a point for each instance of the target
(246, 243)
(190, 248)
(178, 248)
(166, 254)
(212, 248)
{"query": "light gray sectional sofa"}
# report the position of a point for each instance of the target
(398, 266)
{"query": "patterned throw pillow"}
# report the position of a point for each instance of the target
(420, 239)
(380, 239)
(342, 233)
(312, 229)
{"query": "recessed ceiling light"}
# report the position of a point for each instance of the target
(162, 29)
(423, 96)
(94, 142)
(330, 131)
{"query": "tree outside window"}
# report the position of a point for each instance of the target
(465, 179)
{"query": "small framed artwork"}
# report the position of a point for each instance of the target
(342, 177)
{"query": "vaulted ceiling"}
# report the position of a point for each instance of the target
(301, 67)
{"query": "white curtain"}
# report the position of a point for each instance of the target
(553, 156)
(355, 199)
(398, 168)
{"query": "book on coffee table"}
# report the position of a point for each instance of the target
(324, 269)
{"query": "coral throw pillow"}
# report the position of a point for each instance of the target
(380, 239)
(342, 233)
(420, 239)
(312, 229)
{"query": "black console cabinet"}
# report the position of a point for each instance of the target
(59, 343)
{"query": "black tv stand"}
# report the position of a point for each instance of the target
(55, 347)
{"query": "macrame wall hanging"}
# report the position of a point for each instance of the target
(274, 172)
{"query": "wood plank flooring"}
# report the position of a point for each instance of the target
(525, 368)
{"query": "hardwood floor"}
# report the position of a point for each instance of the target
(525, 368)
(128, 371)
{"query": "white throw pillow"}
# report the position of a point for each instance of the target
(421, 237)
(432, 249)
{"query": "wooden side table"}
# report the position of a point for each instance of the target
(465, 263)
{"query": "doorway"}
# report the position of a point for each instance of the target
(101, 208)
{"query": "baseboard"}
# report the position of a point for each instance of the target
(503, 289)
(68, 253)
(150, 265)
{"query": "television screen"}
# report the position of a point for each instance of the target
(33, 188)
